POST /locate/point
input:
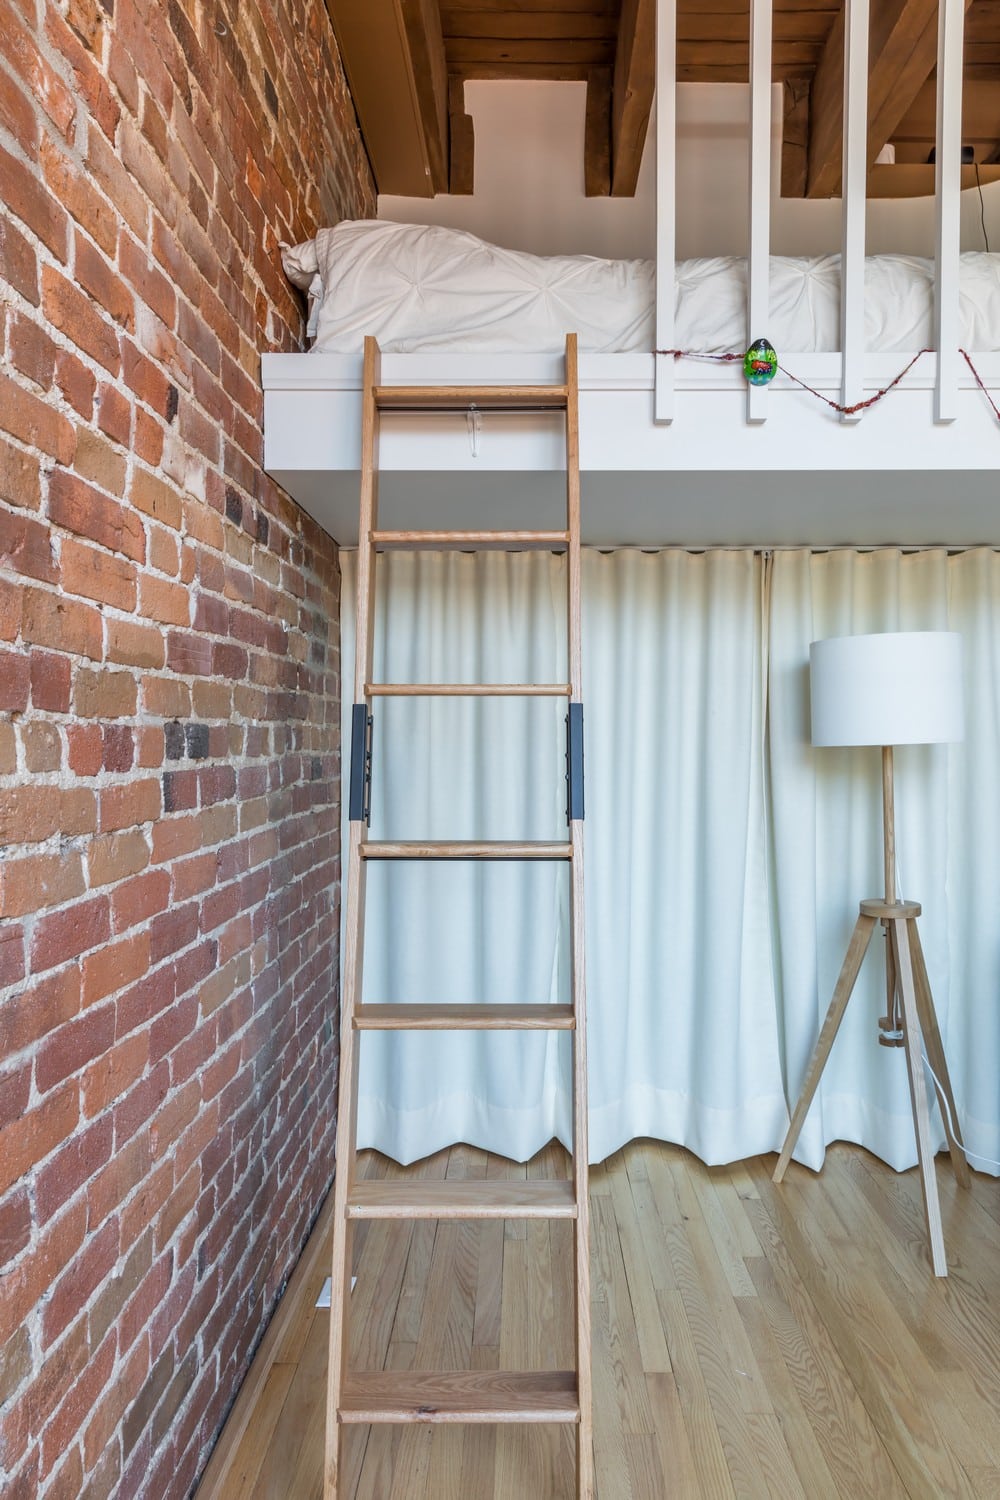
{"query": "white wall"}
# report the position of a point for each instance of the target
(529, 185)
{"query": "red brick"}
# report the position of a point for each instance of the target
(50, 677)
(86, 749)
(32, 1137)
(76, 383)
(154, 288)
(102, 282)
(15, 681)
(110, 174)
(114, 966)
(67, 934)
(23, 1291)
(129, 805)
(100, 461)
(72, 1166)
(104, 695)
(188, 653)
(19, 477)
(15, 1226)
(169, 603)
(76, 316)
(75, 192)
(15, 1090)
(90, 81)
(172, 930)
(124, 1171)
(32, 351)
(80, 1280)
(116, 856)
(42, 746)
(135, 645)
(86, 1391)
(114, 414)
(38, 1009)
(113, 1073)
(79, 508)
(25, 546)
(8, 750)
(34, 422)
(139, 898)
(130, 1114)
(18, 265)
(98, 575)
(25, 196)
(145, 378)
(29, 814)
(117, 747)
(64, 624)
(38, 881)
(148, 442)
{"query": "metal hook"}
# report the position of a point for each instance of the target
(474, 422)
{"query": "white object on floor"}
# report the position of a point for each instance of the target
(323, 1300)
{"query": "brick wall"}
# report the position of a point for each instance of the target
(168, 713)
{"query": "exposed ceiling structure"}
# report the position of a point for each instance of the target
(407, 62)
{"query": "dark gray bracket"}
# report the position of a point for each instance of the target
(574, 763)
(362, 724)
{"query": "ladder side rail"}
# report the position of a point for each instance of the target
(581, 1232)
(352, 980)
(759, 249)
(854, 205)
(948, 186)
(666, 208)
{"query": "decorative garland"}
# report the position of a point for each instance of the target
(760, 365)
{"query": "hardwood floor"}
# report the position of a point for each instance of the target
(749, 1340)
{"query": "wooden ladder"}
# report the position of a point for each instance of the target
(473, 1396)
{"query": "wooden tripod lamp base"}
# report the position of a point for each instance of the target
(891, 689)
(911, 1012)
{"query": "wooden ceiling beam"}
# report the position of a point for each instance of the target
(393, 53)
(903, 54)
(632, 93)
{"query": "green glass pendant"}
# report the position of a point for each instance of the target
(760, 363)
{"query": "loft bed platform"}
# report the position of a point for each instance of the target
(801, 476)
(674, 451)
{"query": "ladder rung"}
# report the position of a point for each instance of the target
(462, 1198)
(414, 849)
(460, 1396)
(502, 1017)
(413, 540)
(514, 398)
(468, 689)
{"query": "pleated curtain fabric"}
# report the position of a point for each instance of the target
(724, 859)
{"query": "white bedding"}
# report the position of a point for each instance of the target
(424, 287)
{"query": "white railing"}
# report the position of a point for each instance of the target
(852, 360)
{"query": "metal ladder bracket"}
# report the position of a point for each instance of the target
(574, 763)
(362, 725)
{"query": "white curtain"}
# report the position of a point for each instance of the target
(724, 857)
(825, 810)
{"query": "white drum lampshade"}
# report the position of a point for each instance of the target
(898, 688)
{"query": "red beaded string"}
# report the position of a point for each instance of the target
(847, 411)
(979, 381)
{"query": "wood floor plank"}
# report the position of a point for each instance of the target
(863, 1374)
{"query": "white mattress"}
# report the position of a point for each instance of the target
(424, 287)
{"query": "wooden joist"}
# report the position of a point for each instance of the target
(902, 58)
(632, 93)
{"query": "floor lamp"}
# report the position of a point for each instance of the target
(900, 688)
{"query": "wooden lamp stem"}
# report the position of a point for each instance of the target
(888, 825)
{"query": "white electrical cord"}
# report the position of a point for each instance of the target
(944, 1106)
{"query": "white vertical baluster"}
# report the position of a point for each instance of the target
(758, 261)
(666, 203)
(948, 178)
(855, 172)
